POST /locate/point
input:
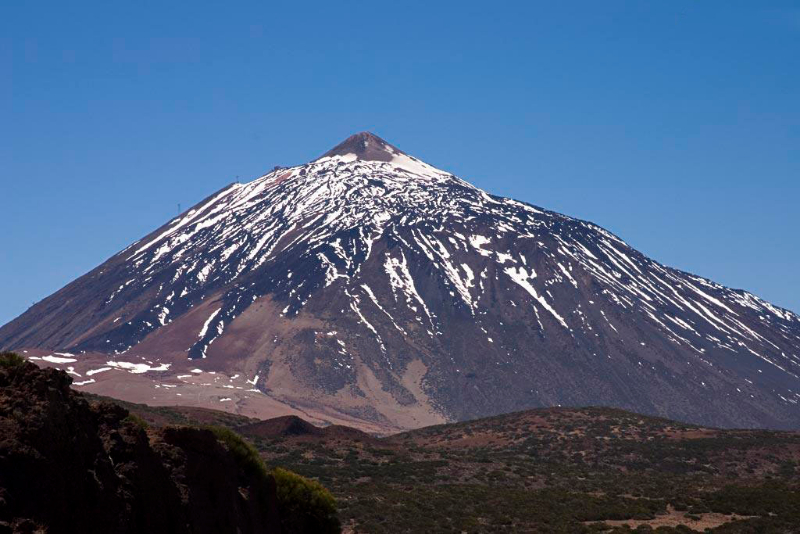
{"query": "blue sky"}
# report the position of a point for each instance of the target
(675, 124)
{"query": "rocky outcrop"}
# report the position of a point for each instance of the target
(68, 465)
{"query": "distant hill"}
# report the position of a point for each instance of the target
(577, 470)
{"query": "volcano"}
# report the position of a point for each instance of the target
(371, 289)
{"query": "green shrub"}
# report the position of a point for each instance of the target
(245, 454)
(305, 505)
(10, 359)
(136, 420)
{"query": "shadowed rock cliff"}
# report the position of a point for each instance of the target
(67, 465)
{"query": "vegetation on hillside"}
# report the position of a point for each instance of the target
(592, 470)
(306, 506)
(246, 455)
(553, 470)
(10, 359)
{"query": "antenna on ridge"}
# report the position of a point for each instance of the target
(179, 208)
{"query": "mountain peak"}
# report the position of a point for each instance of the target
(365, 146)
(371, 288)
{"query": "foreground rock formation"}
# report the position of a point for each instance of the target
(67, 465)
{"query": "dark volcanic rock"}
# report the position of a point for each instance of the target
(365, 146)
(70, 466)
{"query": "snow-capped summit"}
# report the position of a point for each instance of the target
(371, 288)
(368, 147)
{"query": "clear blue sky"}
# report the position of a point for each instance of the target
(674, 124)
